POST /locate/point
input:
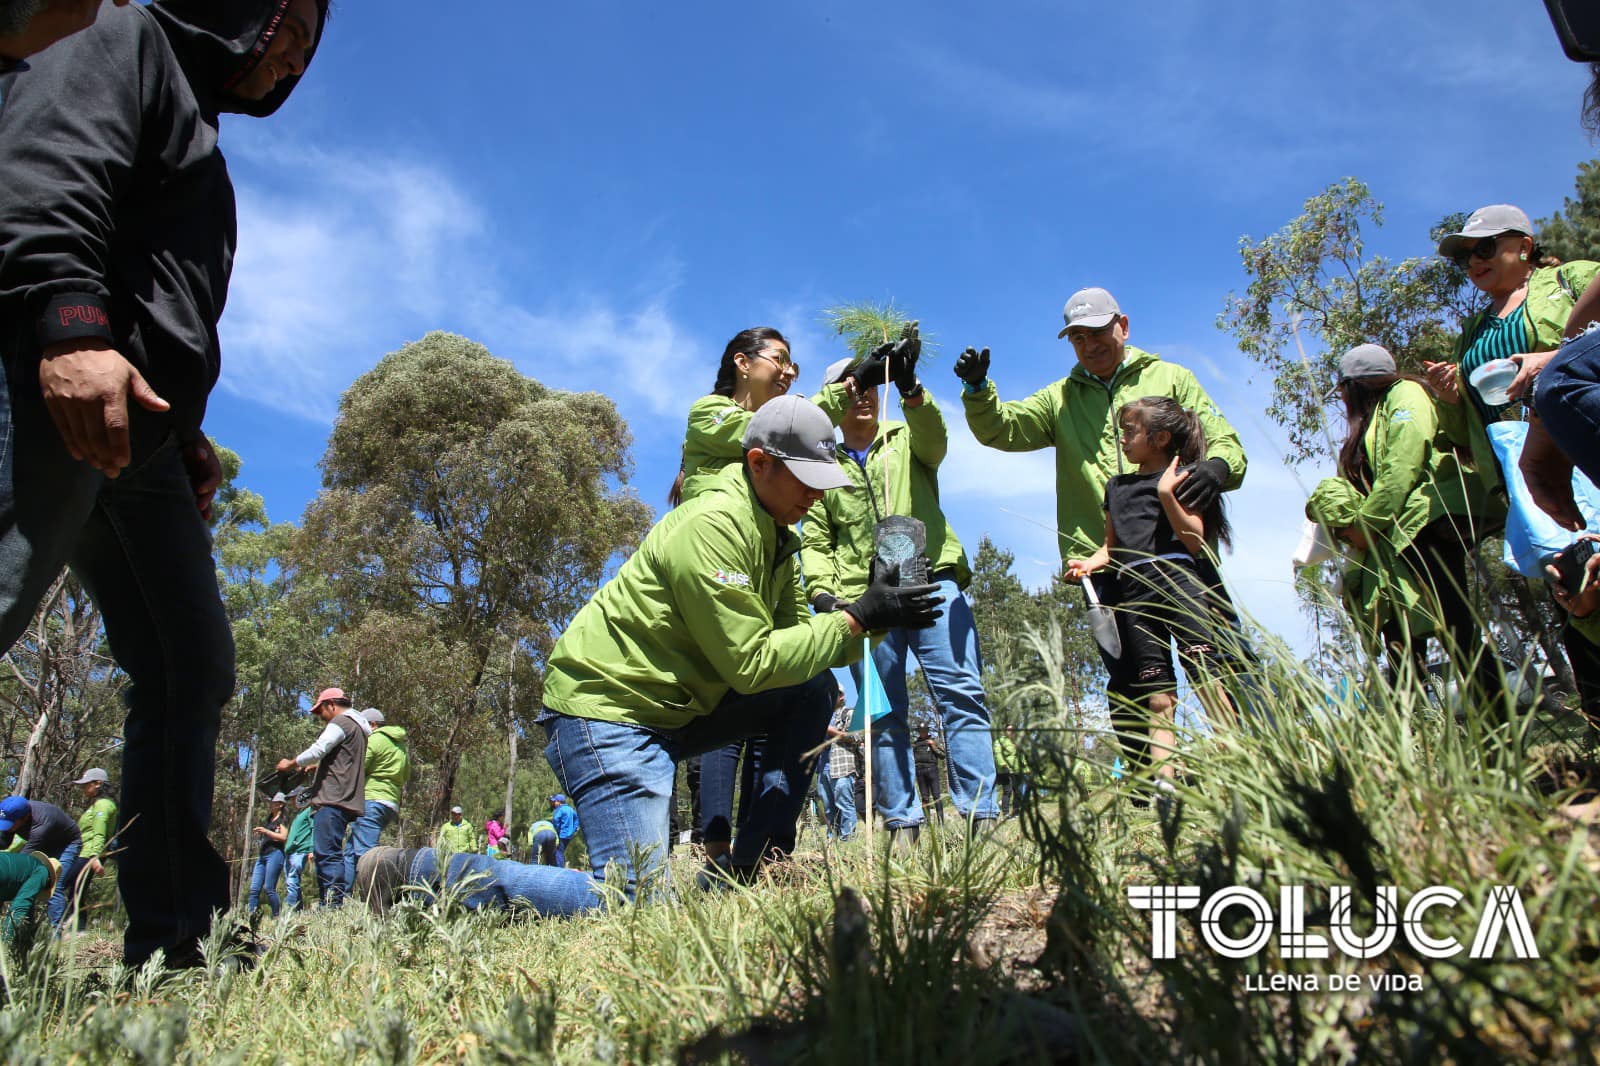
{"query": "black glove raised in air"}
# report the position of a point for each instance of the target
(870, 372)
(1204, 484)
(888, 605)
(903, 361)
(973, 366)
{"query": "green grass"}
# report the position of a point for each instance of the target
(1018, 948)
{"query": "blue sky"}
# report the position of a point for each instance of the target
(606, 193)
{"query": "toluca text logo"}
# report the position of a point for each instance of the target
(1503, 917)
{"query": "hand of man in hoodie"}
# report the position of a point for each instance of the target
(86, 389)
(205, 472)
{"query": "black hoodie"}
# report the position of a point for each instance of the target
(117, 216)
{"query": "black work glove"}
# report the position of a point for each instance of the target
(888, 605)
(973, 366)
(1200, 489)
(870, 373)
(823, 602)
(903, 360)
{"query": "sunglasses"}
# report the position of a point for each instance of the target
(1484, 249)
(782, 362)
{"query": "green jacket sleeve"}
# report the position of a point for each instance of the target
(730, 621)
(1016, 425)
(1588, 628)
(817, 551)
(98, 827)
(834, 401)
(930, 439)
(716, 430)
(1222, 441)
(1403, 431)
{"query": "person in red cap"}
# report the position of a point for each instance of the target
(338, 791)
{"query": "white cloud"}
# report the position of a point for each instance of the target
(342, 258)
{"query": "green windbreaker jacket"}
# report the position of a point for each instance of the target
(388, 764)
(714, 438)
(836, 537)
(710, 602)
(1416, 479)
(1077, 416)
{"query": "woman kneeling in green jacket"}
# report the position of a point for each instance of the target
(1401, 500)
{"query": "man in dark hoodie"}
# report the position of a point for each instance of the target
(117, 228)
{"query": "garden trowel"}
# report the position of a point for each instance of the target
(1102, 622)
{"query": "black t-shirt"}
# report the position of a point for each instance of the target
(1140, 526)
(924, 752)
(266, 844)
(51, 830)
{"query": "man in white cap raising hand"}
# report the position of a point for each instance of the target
(1077, 416)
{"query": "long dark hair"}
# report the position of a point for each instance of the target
(1158, 414)
(1361, 397)
(746, 342)
(1591, 102)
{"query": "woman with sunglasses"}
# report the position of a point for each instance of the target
(1529, 301)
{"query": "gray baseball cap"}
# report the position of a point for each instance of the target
(835, 372)
(795, 430)
(95, 774)
(1364, 361)
(279, 797)
(1488, 221)
(1091, 308)
(373, 716)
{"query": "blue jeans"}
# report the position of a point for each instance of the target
(619, 776)
(824, 790)
(265, 876)
(843, 796)
(543, 847)
(1567, 396)
(719, 771)
(948, 654)
(291, 879)
(549, 891)
(364, 835)
(141, 549)
(61, 898)
(327, 844)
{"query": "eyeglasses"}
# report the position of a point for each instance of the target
(784, 364)
(1483, 249)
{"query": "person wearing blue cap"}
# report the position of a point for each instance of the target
(565, 819)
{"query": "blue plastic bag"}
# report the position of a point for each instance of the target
(1531, 534)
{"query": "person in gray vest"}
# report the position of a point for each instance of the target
(338, 791)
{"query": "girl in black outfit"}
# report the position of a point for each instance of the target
(1156, 547)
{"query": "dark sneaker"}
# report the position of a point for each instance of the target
(380, 874)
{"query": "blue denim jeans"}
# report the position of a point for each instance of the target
(843, 796)
(543, 848)
(619, 776)
(61, 898)
(1567, 396)
(719, 773)
(265, 877)
(141, 549)
(948, 654)
(364, 835)
(327, 844)
(549, 891)
(291, 879)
